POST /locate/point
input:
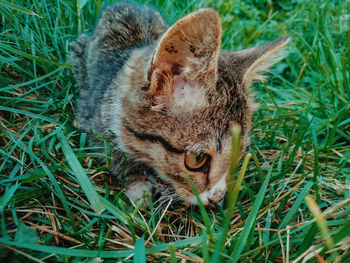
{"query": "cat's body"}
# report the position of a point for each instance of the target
(167, 97)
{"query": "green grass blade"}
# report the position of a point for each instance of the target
(287, 218)
(216, 257)
(235, 192)
(250, 220)
(4, 200)
(114, 210)
(30, 114)
(80, 175)
(202, 209)
(67, 251)
(18, 8)
(234, 160)
(320, 220)
(309, 236)
(139, 251)
(258, 167)
(101, 254)
(205, 248)
(342, 233)
(172, 253)
(30, 57)
(29, 82)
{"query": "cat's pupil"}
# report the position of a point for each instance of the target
(199, 158)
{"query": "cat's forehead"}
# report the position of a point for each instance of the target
(205, 129)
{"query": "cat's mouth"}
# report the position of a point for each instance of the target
(162, 186)
(214, 195)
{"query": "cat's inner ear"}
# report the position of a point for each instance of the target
(185, 60)
(258, 60)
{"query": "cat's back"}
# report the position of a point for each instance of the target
(99, 57)
(125, 25)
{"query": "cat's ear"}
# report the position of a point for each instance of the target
(258, 60)
(186, 57)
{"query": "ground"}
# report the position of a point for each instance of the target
(293, 204)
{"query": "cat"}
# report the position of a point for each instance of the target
(167, 97)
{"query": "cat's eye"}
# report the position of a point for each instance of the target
(194, 161)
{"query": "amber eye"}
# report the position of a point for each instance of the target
(194, 161)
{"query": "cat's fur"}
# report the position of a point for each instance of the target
(158, 93)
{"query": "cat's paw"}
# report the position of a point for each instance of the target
(135, 190)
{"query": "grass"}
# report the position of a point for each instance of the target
(293, 204)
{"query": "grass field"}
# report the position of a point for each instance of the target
(294, 201)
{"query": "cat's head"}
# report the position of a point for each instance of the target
(181, 98)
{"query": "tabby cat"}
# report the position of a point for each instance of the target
(166, 97)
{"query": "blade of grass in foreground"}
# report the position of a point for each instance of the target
(101, 254)
(80, 174)
(320, 220)
(232, 204)
(139, 251)
(172, 254)
(234, 157)
(250, 220)
(233, 188)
